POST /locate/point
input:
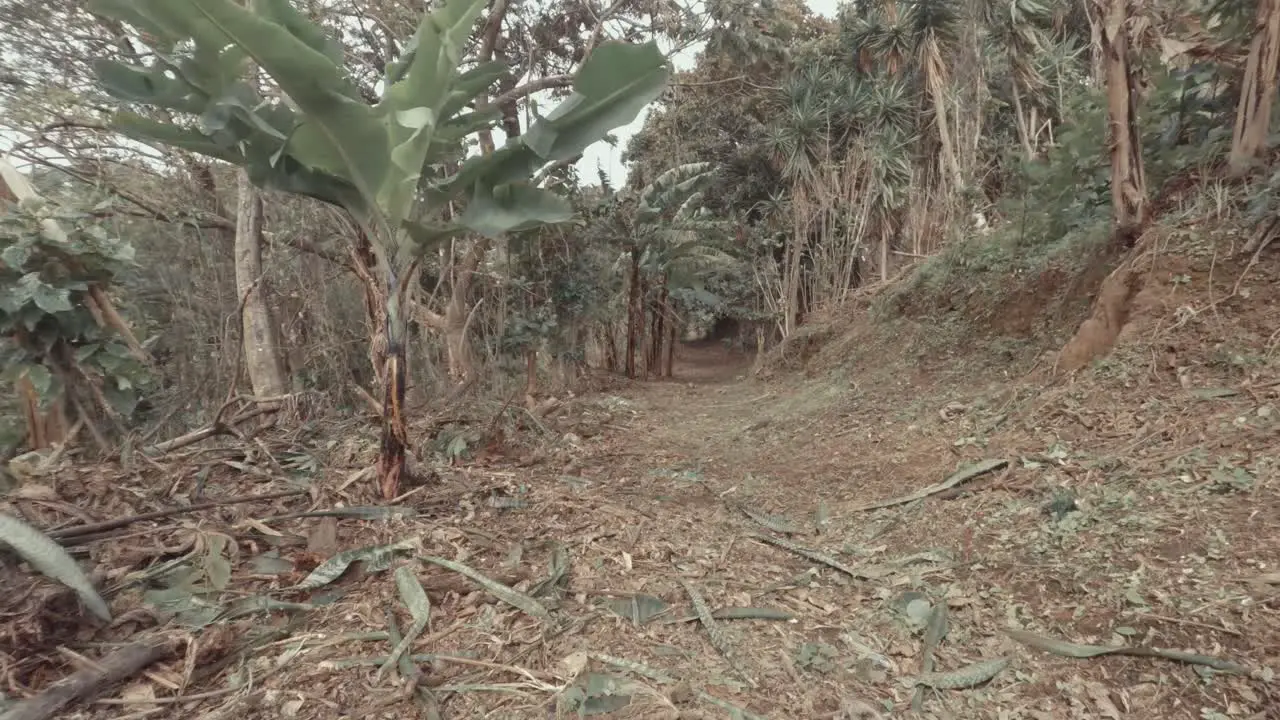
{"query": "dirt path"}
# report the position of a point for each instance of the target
(656, 508)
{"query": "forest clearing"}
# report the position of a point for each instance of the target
(918, 359)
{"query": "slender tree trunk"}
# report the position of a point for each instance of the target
(886, 237)
(44, 426)
(673, 324)
(1128, 179)
(530, 377)
(952, 166)
(1023, 124)
(791, 269)
(634, 312)
(1253, 114)
(458, 311)
(258, 330)
(609, 345)
(658, 333)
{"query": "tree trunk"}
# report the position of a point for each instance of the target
(458, 312)
(886, 237)
(260, 344)
(45, 427)
(1128, 179)
(633, 314)
(530, 378)
(609, 345)
(1253, 114)
(1023, 123)
(658, 332)
(938, 95)
(365, 265)
(672, 325)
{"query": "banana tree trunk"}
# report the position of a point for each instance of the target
(365, 265)
(395, 432)
(261, 347)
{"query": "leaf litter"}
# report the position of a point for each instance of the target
(989, 557)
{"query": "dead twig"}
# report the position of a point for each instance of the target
(78, 530)
(956, 478)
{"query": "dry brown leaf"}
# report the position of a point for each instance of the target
(1102, 698)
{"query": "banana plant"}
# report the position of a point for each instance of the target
(672, 236)
(390, 164)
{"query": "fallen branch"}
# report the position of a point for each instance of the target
(111, 670)
(956, 478)
(158, 514)
(218, 427)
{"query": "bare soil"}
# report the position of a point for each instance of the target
(1140, 506)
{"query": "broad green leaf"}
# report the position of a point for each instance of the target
(416, 100)
(470, 84)
(513, 207)
(341, 135)
(209, 67)
(615, 83)
(84, 352)
(151, 131)
(121, 400)
(278, 171)
(134, 13)
(428, 237)
(242, 103)
(50, 559)
(46, 297)
(149, 85)
(513, 162)
(40, 377)
(285, 14)
(458, 127)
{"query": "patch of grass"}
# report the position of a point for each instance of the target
(993, 266)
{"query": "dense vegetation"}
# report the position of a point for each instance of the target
(226, 231)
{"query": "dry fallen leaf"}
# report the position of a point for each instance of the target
(137, 695)
(572, 665)
(1098, 692)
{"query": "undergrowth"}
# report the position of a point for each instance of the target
(1055, 218)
